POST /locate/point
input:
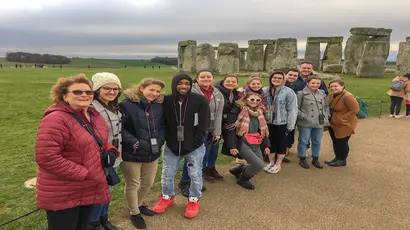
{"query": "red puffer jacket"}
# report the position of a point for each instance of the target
(69, 172)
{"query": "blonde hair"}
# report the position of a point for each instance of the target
(252, 78)
(60, 88)
(145, 83)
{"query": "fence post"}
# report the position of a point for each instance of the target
(381, 108)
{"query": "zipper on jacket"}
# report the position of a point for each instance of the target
(180, 123)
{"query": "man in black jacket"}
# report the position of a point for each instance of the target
(186, 125)
(305, 70)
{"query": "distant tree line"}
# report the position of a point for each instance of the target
(165, 60)
(36, 58)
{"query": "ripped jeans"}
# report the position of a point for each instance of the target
(170, 165)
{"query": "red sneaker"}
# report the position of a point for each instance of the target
(192, 209)
(163, 204)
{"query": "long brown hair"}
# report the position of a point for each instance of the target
(112, 106)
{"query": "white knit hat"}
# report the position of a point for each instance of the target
(100, 79)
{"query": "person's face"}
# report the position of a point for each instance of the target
(255, 85)
(108, 92)
(230, 83)
(314, 84)
(151, 92)
(205, 79)
(292, 76)
(183, 86)
(79, 96)
(306, 69)
(253, 101)
(335, 87)
(277, 80)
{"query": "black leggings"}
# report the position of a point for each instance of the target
(76, 218)
(407, 110)
(395, 105)
(340, 145)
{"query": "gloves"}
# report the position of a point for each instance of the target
(108, 158)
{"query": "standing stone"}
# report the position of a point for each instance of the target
(372, 63)
(187, 56)
(333, 54)
(228, 58)
(254, 59)
(353, 52)
(242, 58)
(408, 39)
(286, 54)
(269, 57)
(205, 57)
(312, 54)
(385, 39)
(403, 58)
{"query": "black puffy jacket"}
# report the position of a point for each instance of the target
(141, 121)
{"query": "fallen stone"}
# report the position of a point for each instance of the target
(390, 70)
(403, 58)
(255, 59)
(261, 41)
(372, 63)
(286, 54)
(312, 54)
(332, 54)
(186, 43)
(269, 57)
(31, 183)
(326, 76)
(205, 57)
(370, 31)
(353, 52)
(333, 68)
(333, 39)
(228, 58)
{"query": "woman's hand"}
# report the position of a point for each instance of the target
(267, 150)
(215, 139)
(234, 152)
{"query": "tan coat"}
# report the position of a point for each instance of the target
(404, 91)
(344, 108)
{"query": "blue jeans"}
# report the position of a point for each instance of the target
(170, 165)
(306, 134)
(211, 154)
(99, 210)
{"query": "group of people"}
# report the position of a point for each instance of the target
(399, 91)
(87, 134)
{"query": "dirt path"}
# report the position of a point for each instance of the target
(372, 192)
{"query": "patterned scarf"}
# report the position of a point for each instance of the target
(242, 123)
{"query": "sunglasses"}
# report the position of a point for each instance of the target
(80, 92)
(109, 89)
(254, 99)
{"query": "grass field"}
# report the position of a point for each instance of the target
(24, 96)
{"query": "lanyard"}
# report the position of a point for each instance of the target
(153, 120)
(176, 114)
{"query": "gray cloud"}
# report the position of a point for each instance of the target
(122, 29)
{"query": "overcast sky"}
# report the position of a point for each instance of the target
(135, 28)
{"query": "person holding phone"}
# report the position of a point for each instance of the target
(313, 116)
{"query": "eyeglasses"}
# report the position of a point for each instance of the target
(80, 92)
(109, 89)
(254, 99)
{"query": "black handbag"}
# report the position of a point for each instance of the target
(110, 173)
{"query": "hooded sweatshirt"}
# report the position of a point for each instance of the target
(192, 113)
(281, 102)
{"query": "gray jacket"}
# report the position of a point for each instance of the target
(114, 127)
(311, 106)
(285, 107)
(216, 106)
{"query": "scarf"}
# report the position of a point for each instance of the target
(242, 123)
(207, 93)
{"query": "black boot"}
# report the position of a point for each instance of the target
(331, 161)
(316, 163)
(95, 226)
(107, 224)
(286, 160)
(146, 211)
(303, 163)
(184, 186)
(236, 170)
(243, 181)
(138, 221)
(338, 163)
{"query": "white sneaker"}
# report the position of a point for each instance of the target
(398, 116)
(274, 169)
(267, 167)
(391, 115)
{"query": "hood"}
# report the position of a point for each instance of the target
(219, 85)
(174, 84)
(64, 107)
(134, 94)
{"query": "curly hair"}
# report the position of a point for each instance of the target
(60, 88)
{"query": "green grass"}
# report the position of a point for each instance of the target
(24, 95)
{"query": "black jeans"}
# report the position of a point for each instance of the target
(340, 145)
(76, 218)
(395, 105)
(407, 110)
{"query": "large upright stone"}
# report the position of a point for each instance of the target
(205, 57)
(228, 58)
(408, 39)
(242, 58)
(312, 54)
(254, 59)
(286, 54)
(269, 57)
(372, 63)
(187, 56)
(333, 54)
(403, 58)
(353, 52)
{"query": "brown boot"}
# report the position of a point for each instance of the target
(206, 174)
(216, 174)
